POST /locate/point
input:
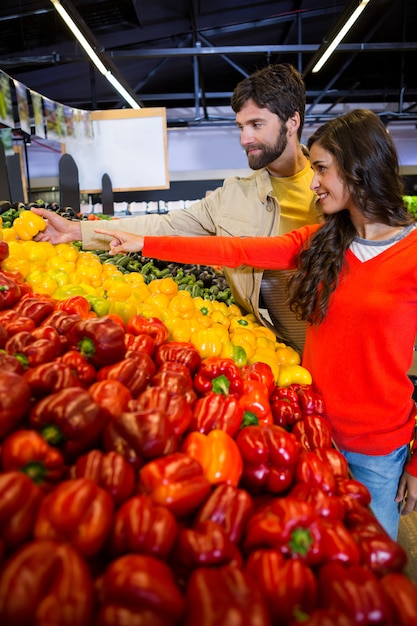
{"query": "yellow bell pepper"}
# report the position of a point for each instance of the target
(15, 264)
(28, 225)
(42, 282)
(232, 351)
(208, 342)
(220, 318)
(179, 330)
(289, 374)
(125, 309)
(9, 234)
(202, 305)
(166, 286)
(182, 305)
(288, 356)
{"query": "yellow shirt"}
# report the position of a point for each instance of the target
(294, 196)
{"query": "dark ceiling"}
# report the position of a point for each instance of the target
(189, 54)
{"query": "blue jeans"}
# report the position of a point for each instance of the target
(381, 475)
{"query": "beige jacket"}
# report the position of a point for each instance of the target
(241, 207)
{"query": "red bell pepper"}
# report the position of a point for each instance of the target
(270, 455)
(4, 335)
(4, 250)
(176, 481)
(313, 470)
(15, 401)
(230, 507)
(220, 375)
(206, 544)
(290, 526)
(284, 413)
(354, 590)
(378, 551)
(350, 489)
(135, 372)
(76, 304)
(140, 436)
(38, 308)
(175, 406)
(61, 321)
(286, 393)
(10, 363)
(46, 582)
(152, 326)
(19, 502)
(328, 506)
(26, 451)
(14, 323)
(336, 460)
(311, 402)
(323, 617)
(255, 399)
(222, 596)
(288, 585)
(180, 352)
(139, 589)
(339, 544)
(79, 365)
(217, 411)
(401, 592)
(313, 431)
(69, 419)
(31, 350)
(260, 372)
(140, 526)
(100, 340)
(49, 332)
(10, 293)
(175, 377)
(49, 378)
(109, 470)
(112, 395)
(140, 343)
(78, 511)
(218, 455)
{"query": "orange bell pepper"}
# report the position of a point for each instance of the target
(217, 454)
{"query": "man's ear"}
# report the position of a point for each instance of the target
(293, 123)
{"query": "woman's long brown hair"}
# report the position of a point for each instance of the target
(367, 161)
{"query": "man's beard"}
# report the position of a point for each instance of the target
(269, 153)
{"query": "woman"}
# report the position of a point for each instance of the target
(356, 286)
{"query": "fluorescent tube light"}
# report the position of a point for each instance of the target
(338, 38)
(82, 40)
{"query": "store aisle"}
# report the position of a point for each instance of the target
(407, 537)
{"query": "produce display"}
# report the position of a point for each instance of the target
(164, 473)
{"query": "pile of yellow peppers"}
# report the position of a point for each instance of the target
(215, 328)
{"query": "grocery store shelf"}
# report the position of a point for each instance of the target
(407, 537)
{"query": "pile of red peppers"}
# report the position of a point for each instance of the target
(143, 486)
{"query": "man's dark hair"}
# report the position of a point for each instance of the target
(279, 88)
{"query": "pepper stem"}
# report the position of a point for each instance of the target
(221, 385)
(301, 541)
(87, 347)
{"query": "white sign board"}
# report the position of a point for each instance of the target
(128, 145)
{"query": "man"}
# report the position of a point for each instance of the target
(269, 107)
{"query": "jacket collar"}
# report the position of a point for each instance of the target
(263, 183)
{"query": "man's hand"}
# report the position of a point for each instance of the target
(122, 241)
(407, 492)
(58, 229)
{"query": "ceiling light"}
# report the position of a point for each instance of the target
(339, 36)
(94, 57)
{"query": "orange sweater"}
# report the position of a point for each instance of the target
(360, 355)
